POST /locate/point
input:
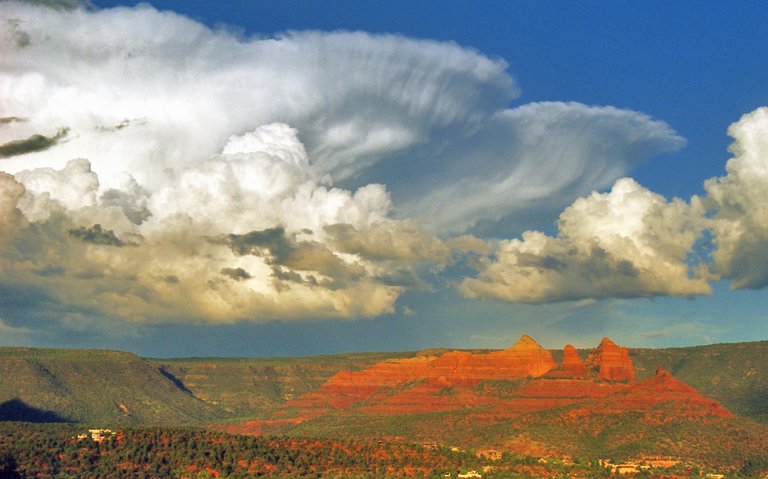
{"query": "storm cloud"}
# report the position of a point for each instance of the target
(631, 242)
(430, 120)
(322, 175)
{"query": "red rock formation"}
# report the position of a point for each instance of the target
(571, 368)
(663, 395)
(454, 369)
(611, 362)
(503, 384)
(525, 359)
(572, 362)
(448, 381)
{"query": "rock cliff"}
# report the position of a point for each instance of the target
(611, 362)
(420, 383)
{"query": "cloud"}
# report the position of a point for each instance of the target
(737, 204)
(32, 144)
(629, 242)
(10, 217)
(154, 93)
(96, 235)
(241, 236)
(404, 241)
(238, 274)
(319, 175)
(532, 161)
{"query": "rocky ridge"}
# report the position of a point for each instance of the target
(520, 379)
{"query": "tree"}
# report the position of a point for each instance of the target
(8, 467)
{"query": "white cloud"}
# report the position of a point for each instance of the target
(535, 159)
(632, 242)
(202, 176)
(739, 207)
(138, 86)
(244, 235)
(628, 242)
(153, 93)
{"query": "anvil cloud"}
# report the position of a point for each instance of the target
(157, 170)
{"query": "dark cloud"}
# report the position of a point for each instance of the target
(287, 256)
(269, 242)
(287, 275)
(123, 124)
(541, 262)
(135, 211)
(51, 270)
(66, 5)
(32, 144)
(10, 119)
(238, 274)
(97, 235)
(89, 275)
(20, 37)
(405, 278)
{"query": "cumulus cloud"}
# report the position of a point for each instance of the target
(738, 205)
(631, 242)
(242, 235)
(10, 192)
(309, 175)
(628, 242)
(153, 93)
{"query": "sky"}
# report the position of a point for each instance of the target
(277, 178)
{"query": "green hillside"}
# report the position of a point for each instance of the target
(92, 386)
(247, 387)
(108, 386)
(735, 374)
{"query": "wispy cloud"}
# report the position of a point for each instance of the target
(316, 175)
(631, 242)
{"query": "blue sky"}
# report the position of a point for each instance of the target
(266, 193)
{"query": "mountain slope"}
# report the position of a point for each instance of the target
(90, 385)
(734, 374)
(94, 386)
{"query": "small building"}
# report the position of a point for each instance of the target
(470, 475)
(623, 469)
(659, 462)
(99, 435)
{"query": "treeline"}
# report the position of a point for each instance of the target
(46, 451)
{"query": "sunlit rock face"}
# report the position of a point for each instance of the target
(611, 362)
(572, 367)
(421, 383)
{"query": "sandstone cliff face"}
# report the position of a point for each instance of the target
(454, 369)
(662, 396)
(572, 366)
(521, 380)
(525, 359)
(418, 384)
(611, 362)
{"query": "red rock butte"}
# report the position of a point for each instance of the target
(611, 362)
(521, 380)
(525, 359)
